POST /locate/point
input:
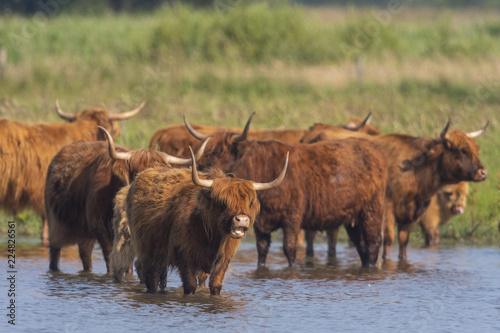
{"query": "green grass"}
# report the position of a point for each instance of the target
(218, 67)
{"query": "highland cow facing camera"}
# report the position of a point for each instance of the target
(190, 221)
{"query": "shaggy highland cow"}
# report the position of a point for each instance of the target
(328, 185)
(82, 180)
(27, 149)
(193, 222)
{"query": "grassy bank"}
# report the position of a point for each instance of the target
(218, 66)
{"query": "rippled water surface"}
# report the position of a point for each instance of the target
(447, 290)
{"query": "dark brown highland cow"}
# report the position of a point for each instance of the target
(355, 128)
(27, 149)
(82, 181)
(176, 139)
(192, 222)
(418, 168)
(328, 184)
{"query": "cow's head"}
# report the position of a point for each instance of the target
(104, 118)
(460, 158)
(353, 128)
(362, 126)
(229, 205)
(127, 164)
(453, 197)
(457, 155)
(222, 148)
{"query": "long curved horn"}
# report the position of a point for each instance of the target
(62, 114)
(445, 129)
(111, 147)
(196, 179)
(186, 161)
(274, 183)
(243, 136)
(194, 132)
(128, 114)
(475, 134)
(367, 120)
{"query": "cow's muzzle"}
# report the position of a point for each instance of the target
(240, 226)
(457, 209)
(481, 175)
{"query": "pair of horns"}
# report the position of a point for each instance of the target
(471, 135)
(112, 115)
(238, 138)
(168, 158)
(257, 186)
(367, 121)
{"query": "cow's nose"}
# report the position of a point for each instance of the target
(241, 220)
(483, 173)
(458, 210)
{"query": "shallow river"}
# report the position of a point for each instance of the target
(454, 289)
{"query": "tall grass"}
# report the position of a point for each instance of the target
(218, 67)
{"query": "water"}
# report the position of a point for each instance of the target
(447, 290)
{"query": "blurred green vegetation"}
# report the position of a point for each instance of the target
(217, 66)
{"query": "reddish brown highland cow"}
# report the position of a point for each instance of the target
(328, 185)
(27, 149)
(193, 222)
(418, 168)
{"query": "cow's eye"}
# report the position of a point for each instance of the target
(448, 194)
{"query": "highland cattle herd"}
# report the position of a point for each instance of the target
(171, 209)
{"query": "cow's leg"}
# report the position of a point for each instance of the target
(186, 271)
(202, 278)
(389, 236)
(431, 236)
(45, 232)
(219, 268)
(55, 254)
(403, 238)
(332, 235)
(140, 273)
(163, 278)
(263, 243)
(434, 239)
(151, 276)
(310, 234)
(85, 248)
(290, 235)
(106, 244)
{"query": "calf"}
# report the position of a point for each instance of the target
(448, 202)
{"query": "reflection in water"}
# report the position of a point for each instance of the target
(437, 290)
